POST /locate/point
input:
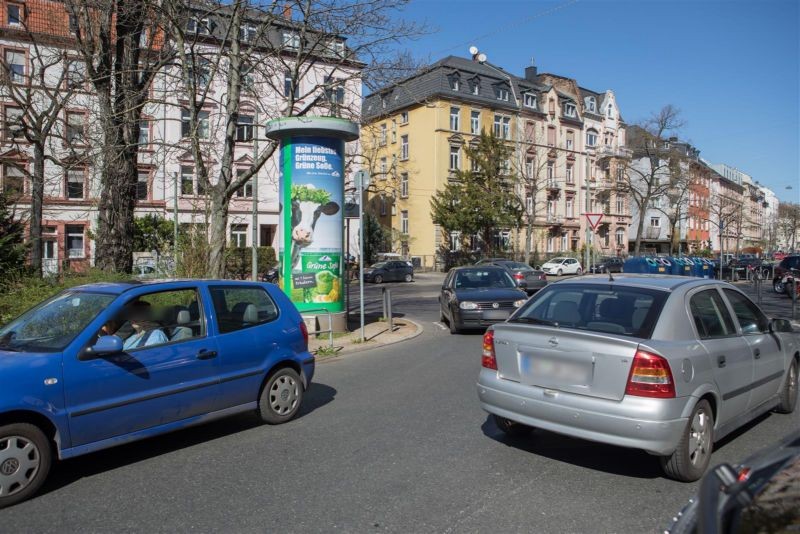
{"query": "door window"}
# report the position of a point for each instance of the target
(239, 307)
(751, 319)
(158, 318)
(711, 317)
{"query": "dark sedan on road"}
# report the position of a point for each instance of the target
(610, 264)
(477, 297)
(389, 271)
(528, 278)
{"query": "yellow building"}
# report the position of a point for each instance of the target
(414, 137)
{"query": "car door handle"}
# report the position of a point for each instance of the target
(757, 353)
(721, 361)
(206, 354)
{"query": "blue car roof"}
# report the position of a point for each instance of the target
(117, 288)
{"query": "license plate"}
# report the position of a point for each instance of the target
(495, 315)
(551, 372)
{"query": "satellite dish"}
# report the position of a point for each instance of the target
(473, 50)
(482, 58)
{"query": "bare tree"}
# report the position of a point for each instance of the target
(294, 53)
(33, 123)
(648, 176)
(724, 212)
(675, 209)
(789, 223)
(123, 47)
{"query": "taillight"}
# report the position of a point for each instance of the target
(743, 475)
(519, 276)
(487, 359)
(542, 276)
(650, 376)
(304, 330)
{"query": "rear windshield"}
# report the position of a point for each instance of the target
(627, 311)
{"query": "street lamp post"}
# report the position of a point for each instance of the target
(254, 181)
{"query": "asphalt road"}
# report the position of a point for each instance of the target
(389, 440)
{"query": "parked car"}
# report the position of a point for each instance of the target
(757, 495)
(660, 363)
(272, 274)
(478, 296)
(389, 271)
(534, 279)
(782, 269)
(609, 264)
(105, 364)
(559, 266)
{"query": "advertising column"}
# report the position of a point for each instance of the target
(311, 209)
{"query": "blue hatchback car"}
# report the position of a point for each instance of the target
(105, 364)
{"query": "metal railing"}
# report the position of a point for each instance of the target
(329, 331)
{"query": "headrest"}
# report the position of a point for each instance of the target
(250, 314)
(183, 317)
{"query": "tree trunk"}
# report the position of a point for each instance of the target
(37, 200)
(639, 231)
(218, 235)
(114, 243)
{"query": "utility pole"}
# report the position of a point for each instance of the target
(254, 181)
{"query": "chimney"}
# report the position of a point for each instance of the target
(531, 73)
(287, 11)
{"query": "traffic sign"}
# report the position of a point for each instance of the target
(594, 219)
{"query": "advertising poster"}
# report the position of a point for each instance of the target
(311, 222)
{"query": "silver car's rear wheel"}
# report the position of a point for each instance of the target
(690, 460)
(24, 462)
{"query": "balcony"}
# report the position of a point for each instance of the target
(652, 232)
(604, 151)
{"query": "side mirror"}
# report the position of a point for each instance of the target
(105, 345)
(780, 325)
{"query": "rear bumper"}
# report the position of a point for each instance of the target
(654, 425)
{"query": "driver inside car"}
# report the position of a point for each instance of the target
(147, 332)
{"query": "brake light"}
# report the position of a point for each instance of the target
(542, 276)
(487, 359)
(650, 376)
(744, 474)
(304, 330)
(519, 276)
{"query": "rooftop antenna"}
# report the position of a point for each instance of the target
(481, 58)
(533, 63)
(473, 51)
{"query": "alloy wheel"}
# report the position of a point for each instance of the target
(699, 438)
(20, 461)
(283, 395)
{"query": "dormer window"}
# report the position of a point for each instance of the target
(199, 26)
(610, 112)
(475, 85)
(591, 104)
(247, 33)
(455, 81)
(529, 100)
(291, 40)
(501, 92)
(570, 110)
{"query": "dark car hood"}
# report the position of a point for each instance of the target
(486, 294)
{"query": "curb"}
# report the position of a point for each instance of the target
(419, 330)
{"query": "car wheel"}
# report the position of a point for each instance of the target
(511, 428)
(378, 279)
(559, 272)
(408, 278)
(579, 271)
(281, 397)
(690, 460)
(778, 287)
(788, 397)
(25, 458)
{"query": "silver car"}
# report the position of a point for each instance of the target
(666, 364)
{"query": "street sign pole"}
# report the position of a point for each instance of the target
(254, 181)
(362, 182)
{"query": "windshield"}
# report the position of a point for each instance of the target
(629, 311)
(483, 278)
(556, 260)
(52, 325)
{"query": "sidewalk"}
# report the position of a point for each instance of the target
(377, 334)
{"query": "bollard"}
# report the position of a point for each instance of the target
(387, 307)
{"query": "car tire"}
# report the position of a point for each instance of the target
(281, 397)
(511, 428)
(788, 396)
(690, 460)
(378, 279)
(26, 456)
(778, 287)
(579, 271)
(408, 278)
(559, 272)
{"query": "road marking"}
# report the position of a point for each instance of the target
(440, 325)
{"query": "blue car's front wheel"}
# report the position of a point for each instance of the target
(25, 458)
(281, 396)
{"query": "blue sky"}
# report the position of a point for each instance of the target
(730, 66)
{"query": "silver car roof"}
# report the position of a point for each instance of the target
(655, 281)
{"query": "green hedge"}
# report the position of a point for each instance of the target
(239, 261)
